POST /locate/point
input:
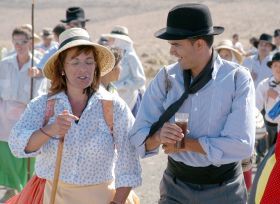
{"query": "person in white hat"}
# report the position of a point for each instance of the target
(228, 52)
(108, 79)
(131, 84)
(96, 150)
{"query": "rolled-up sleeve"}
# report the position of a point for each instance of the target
(237, 138)
(30, 121)
(261, 95)
(127, 169)
(148, 113)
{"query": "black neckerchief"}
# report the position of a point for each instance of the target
(274, 83)
(190, 88)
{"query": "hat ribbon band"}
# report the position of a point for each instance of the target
(73, 39)
(119, 32)
(179, 31)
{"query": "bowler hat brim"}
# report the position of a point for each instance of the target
(169, 34)
(69, 20)
(256, 44)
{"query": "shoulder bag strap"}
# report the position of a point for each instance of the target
(49, 112)
(108, 114)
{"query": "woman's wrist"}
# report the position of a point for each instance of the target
(47, 131)
(48, 135)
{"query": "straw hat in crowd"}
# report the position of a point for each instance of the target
(227, 44)
(119, 32)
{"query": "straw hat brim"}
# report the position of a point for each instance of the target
(236, 53)
(118, 36)
(105, 58)
(37, 38)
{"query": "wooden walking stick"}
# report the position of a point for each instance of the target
(32, 47)
(57, 170)
(31, 82)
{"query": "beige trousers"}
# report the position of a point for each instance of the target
(92, 194)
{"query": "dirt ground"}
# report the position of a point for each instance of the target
(143, 17)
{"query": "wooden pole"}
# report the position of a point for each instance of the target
(31, 81)
(57, 171)
(32, 48)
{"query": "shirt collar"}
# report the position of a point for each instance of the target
(217, 64)
(256, 58)
(100, 94)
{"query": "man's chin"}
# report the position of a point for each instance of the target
(184, 67)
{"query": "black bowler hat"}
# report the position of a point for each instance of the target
(188, 20)
(276, 57)
(267, 38)
(75, 13)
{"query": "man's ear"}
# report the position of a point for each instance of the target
(199, 44)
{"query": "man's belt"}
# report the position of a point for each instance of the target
(204, 175)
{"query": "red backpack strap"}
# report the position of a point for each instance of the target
(108, 114)
(49, 112)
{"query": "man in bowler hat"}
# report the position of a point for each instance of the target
(257, 64)
(75, 17)
(219, 97)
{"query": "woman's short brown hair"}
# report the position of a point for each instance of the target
(58, 83)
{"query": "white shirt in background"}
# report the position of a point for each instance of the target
(262, 99)
(14, 92)
(260, 68)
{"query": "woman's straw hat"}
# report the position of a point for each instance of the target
(74, 37)
(227, 44)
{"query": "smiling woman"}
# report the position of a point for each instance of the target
(90, 150)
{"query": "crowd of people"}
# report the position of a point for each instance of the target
(89, 101)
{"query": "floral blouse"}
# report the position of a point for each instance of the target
(91, 155)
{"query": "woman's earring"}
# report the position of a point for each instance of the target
(62, 74)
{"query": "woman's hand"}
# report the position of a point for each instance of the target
(62, 123)
(59, 127)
